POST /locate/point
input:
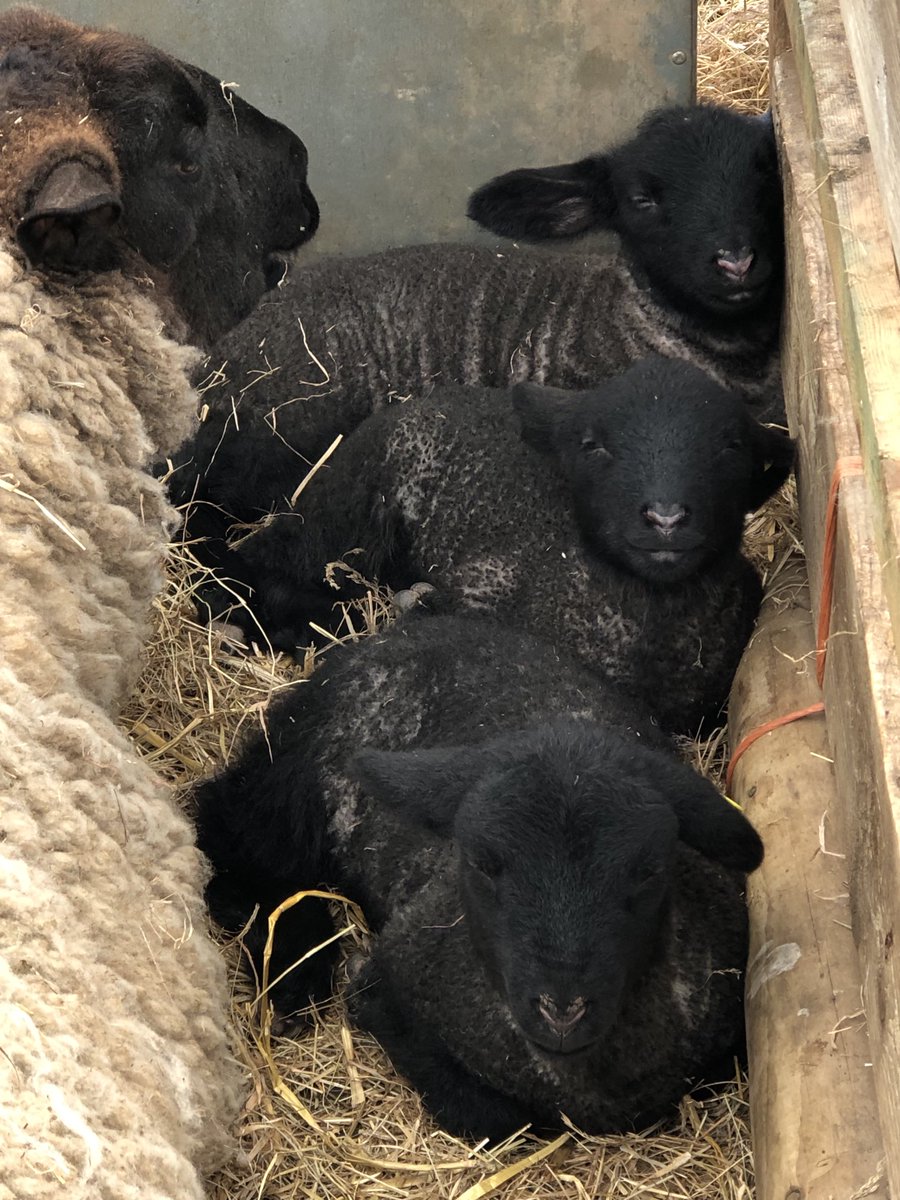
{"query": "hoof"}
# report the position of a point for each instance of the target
(407, 600)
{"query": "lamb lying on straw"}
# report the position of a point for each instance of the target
(115, 1075)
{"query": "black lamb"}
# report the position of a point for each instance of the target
(558, 914)
(696, 201)
(608, 520)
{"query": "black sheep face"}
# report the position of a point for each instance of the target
(565, 874)
(214, 192)
(695, 197)
(663, 464)
(114, 148)
(566, 840)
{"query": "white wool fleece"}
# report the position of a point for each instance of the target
(116, 1079)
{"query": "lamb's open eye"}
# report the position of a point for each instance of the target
(187, 167)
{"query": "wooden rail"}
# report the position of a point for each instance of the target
(860, 255)
(842, 383)
(873, 38)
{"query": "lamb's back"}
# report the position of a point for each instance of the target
(346, 336)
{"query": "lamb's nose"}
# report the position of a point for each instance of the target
(562, 1020)
(664, 516)
(735, 263)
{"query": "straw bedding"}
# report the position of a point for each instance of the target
(325, 1115)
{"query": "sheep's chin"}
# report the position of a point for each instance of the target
(665, 565)
(559, 1053)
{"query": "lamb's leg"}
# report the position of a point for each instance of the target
(458, 1100)
(298, 930)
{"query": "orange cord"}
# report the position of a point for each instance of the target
(849, 465)
(757, 733)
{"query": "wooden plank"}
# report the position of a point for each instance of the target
(862, 682)
(812, 1091)
(862, 697)
(818, 400)
(860, 253)
(873, 38)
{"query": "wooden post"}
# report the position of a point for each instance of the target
(812, 1092)
(860, 254)
(837, 342)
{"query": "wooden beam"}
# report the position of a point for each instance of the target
(873, 38)
(860, 254)
(812, 1090)
(862, 681)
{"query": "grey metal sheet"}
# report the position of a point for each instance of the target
(406, 105)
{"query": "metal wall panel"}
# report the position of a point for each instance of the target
(406, 105)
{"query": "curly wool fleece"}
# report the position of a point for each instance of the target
(115, 1078)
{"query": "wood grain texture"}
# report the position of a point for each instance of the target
(862, 682)
(812, 1090)
(860, 254)
(873, 38)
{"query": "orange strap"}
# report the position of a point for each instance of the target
(756, 734)
(849, 465)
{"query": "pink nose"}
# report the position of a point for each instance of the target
(664, 516)
(735, 264)
(561, 1020)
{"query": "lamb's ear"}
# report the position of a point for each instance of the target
(556, 421)
(545, 203)
(70, 218)
(773, 458)
(706, 820)
(544, 414)
(426, 785)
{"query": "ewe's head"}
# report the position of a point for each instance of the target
(663, 463)
(695, 197)
(112, 148)
(566, 837)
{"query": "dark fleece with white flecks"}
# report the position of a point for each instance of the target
(445, 490)
(290, 814)
(347, 337)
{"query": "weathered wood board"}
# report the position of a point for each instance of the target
(860, 254)
(873, 38)
(812, 1088)
(840, 342)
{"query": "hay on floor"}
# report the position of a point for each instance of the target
(733, 53)
(326, 1117)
